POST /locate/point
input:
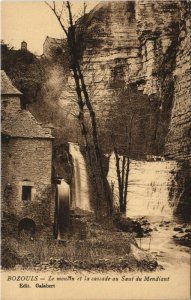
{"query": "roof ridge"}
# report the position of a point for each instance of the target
(7, 87)
(23, 124)
(53, 38)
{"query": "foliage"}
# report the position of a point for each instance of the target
(24, 70)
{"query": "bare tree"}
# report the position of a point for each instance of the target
(122, 170)
(83, 99)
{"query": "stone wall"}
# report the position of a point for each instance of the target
(27, 162)
(52, 47)
(10, 104)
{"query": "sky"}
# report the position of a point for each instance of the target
(31, 22)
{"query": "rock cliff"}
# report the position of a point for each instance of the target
(137, 54)
(178, 142)
(136, 61)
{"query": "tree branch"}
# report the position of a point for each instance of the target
(57, 16)
(69, 12)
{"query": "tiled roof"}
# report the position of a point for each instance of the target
(23, 124)
(7, 87)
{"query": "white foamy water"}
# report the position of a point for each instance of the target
(148, 189)
(80, 189)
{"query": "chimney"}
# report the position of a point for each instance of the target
(48, 127)
(23, 46)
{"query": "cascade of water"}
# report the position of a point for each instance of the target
(80, 189)
(148, 190)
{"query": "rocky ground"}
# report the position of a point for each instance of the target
(182, 234)
(141, 227)
(144, 228)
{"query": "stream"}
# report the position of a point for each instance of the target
(161, 244)
(148, 196)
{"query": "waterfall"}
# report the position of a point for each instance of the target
(63, 207)
(148, 189)
(80, 188)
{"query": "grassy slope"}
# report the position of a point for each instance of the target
(88, 246)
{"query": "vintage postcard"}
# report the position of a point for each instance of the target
(95, 150)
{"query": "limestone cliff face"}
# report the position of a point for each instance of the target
(178, 142)
(132, 39)
(136, 59)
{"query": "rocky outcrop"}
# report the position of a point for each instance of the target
(136, 60)
(141, 47)
(178, 143)
(178, 140)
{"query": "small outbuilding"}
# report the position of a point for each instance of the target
(27, 191)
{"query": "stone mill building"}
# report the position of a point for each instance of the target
(27, 191)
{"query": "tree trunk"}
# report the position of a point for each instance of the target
(83, 99)
(120, 183)
(81, 89)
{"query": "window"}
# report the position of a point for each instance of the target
(26, 193)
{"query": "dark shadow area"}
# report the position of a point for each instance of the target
(27, 225)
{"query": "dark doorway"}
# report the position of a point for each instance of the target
(27, 225)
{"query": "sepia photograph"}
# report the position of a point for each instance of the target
(96, 150)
